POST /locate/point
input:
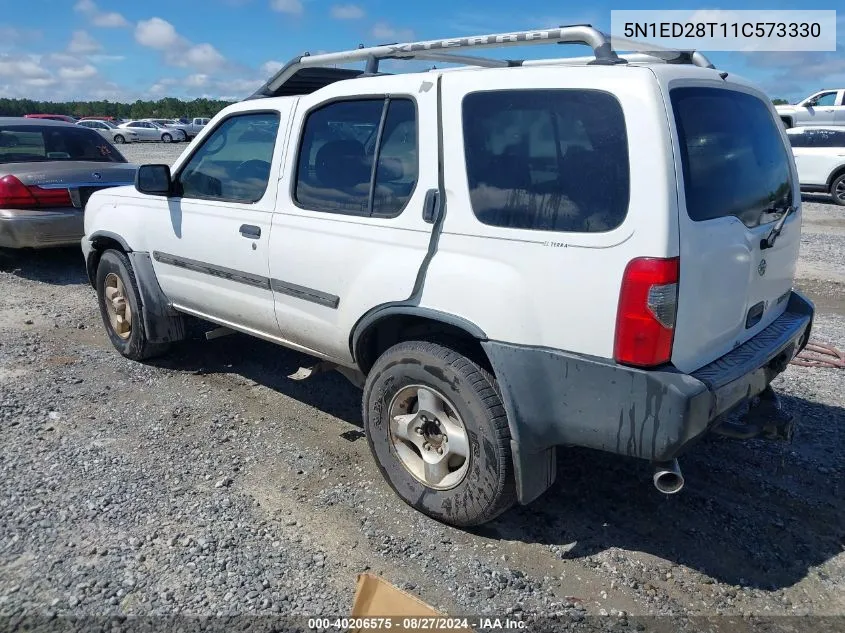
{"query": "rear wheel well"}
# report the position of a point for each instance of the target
(835, 175)
(396, 328)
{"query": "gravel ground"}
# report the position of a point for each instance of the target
(207, 483)
(143, 153)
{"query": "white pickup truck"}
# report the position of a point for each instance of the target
(826, 107)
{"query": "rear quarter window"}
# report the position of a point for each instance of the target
(734, 160)
(34, 143)
(547, 160)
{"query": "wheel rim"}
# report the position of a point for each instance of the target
(839, 192)
(117, 306)
(166, 138)
(429, 437)
(118, 139)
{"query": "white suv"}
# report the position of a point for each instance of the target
(820, 159)
(506, 258)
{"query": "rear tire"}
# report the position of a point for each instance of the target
(166, 138)
(119, 139)
(120, 307)
(473, 491)
(837, 189)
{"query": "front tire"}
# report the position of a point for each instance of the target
(120, 307)
(837, 189)
(119, 139)
(166, 138)
(438, 431)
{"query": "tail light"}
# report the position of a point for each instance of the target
(16, 195)
(645, 321)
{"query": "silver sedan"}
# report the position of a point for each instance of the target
(150, 131)
(110, 131)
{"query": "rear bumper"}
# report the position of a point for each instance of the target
(40, 229)
(554, 397)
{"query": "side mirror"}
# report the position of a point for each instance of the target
(154, 180)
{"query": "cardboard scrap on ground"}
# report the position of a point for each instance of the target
(377, 598)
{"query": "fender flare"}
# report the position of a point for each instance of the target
(383, 311)
(96, 240)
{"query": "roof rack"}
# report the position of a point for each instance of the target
(308, 73)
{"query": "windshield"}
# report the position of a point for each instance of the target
(36, 143)
(734, 159)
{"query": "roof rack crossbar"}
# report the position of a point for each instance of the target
(468, 60)
(669, 57)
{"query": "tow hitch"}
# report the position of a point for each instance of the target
(765, 418)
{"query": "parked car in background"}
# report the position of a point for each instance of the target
(823, 108)
(189, 127)
(820, 158)
(151, 131)
(110, 131)
(170, 123)
(111, 119)
(51, 117)
(48, 169)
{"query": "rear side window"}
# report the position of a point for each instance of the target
(800, 139)
(34, 143)
(733, 157)
(547, 160)
(818, 138)
(340, 144)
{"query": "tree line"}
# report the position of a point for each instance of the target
(166, 108)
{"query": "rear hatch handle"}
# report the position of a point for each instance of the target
(769, 240)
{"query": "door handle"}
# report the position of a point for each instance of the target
(250, 231)
(431, 206)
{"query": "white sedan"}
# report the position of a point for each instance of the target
(110, 131)
(150, 131)
(820, 158)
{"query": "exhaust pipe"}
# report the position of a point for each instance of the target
(667, 477)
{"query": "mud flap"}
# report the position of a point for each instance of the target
(162, 323)
(534, 472)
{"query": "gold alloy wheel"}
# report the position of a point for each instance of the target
(120, 313)
(429, 437)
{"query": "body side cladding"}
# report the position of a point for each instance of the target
(162, 323)
(258, 281)
(307, 294)
(212, 269)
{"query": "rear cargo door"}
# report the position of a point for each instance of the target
(735, 179)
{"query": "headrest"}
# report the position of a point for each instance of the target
(390, 169)
(341, 164)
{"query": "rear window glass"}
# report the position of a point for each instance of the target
(548, 160)
(34, 143)
(733, 157)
